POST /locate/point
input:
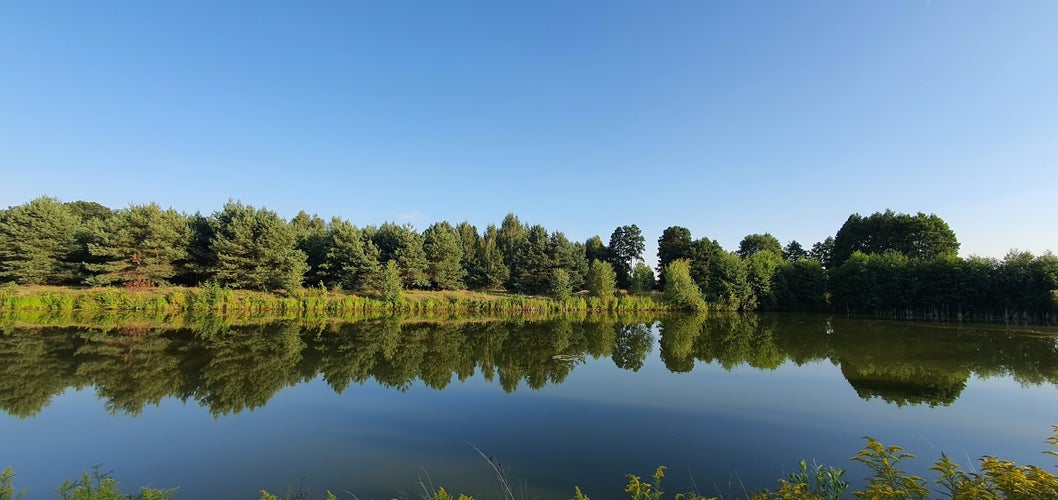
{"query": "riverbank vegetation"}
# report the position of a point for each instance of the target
(997, 479)
(885, 264)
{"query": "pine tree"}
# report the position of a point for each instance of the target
(404, 245)
(350, 262)
(444, 255)
(493, 272)
(37, 240)
(256, 249)
(142, 245)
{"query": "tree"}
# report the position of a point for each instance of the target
(703, 252)
(532, 265)
(793, 252)
(680, 289)
(642, 279)
(492, 271)
(760, 271)
(37, 240)
(255, 249)
(594, 249)
(93, 216)
(510, 239)
(919, 236)
(800, 286)
(675, 243)
(754, 243)
(350, 262)
(470, 241)
(559, 286)
(142, 245)
(823, 251)
(390, 284)
(601, 281)
(626, 248)
(404, 245)
(310, 233)
(444, 254)
(201, 263)
(568, 256)
(729, 283)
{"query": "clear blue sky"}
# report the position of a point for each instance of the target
(728, 118)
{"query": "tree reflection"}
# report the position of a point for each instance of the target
(229, 367)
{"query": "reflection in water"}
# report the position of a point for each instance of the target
(229, 368)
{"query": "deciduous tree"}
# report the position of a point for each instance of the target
(601, 280)
(625, 249)
(754, 243)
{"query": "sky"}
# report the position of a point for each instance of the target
(727, 118)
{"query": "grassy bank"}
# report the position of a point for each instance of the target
(212, 298)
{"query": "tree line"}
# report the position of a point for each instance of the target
(883, 264)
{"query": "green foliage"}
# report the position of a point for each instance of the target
(823, 251)
(560, 288)
(390, 285)
(626, 247)
(403, 245)
(441, 494)
(601, 281)
(568, 256)
(595, 249)
(824, 482)
(638, 490)
(674, 243)
(642, 279)
(311, 238)
(256, 250)
(532, 263)
(680, 290)
(755, 243)
(761, 267)
(491, 272)
(888, 481)
(102, 486)
(919, 236)
(794, 252)
(7, 486)
(142, 245)
(37, 241)
(729, 287)
(350, 262)
(444, 255)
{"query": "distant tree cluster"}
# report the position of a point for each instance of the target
(46, 241)
(884, 264)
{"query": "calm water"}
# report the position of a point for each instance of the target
(374, 406)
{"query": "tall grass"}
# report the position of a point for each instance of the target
(212, 297)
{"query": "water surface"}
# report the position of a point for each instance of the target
(375, 406)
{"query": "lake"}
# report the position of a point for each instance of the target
(376, 406)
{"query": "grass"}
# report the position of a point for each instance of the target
(215, 298)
